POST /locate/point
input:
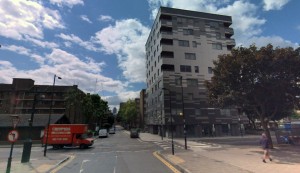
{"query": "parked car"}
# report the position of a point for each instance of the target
(112, 131)
(134, 133)
(103, 133)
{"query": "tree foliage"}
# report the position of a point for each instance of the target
(128, 113)
(261, 82)
(94, 107)
(73, 101)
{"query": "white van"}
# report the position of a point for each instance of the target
(103, 133)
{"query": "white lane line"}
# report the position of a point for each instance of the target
(115, 167)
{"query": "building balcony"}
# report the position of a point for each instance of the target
(229, 31)
(166, 35)
(167, 47)
(165, 19)
(230, 42)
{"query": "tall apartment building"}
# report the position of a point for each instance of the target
(180, 51)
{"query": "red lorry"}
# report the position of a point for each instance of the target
(61, 135)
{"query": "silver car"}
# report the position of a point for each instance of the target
(103, 133)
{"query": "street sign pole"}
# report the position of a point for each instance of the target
(12, 137)
(9, 158)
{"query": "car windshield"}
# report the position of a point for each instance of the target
(84, 136)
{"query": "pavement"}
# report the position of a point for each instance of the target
(37, 164)
(221, 157)
(203, 155)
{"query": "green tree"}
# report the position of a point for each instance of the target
(88, 108)
(99, 108)
(262, 82)
(128, 113)
(73, 98)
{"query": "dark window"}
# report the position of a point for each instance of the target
(165, 41)
(217, 46)
(190, 56)
(210, 70)
(184, 43)
(196, 69)
(194, 44)
(188, 32)
(165, 17)
(167, 67)
(167, 54)
(166, 30)
(185, 68)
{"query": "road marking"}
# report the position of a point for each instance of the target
(175, 159)
(141, 141)
(166, 163)
(115, 164)
(81, 170)
(63, 164)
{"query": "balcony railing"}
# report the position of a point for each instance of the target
(229, 31)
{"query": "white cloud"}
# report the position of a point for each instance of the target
(24, 51)
(85, 18)
(20, 18)
(84, 73)
(126, 39)
(76, 40)
(114, 101)
(246, 23)
(274, 40)
(69, 3)
(8, 71)
(44, 44)
(105, 18)
(72, 70)
(274, 4)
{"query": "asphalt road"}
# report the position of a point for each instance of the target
(116, 154)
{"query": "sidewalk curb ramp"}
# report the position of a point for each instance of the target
(178, 167)
(59, 163)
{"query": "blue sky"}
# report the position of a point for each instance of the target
(99, 44)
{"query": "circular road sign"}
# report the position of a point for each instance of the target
(13, 136)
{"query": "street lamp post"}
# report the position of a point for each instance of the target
(161, 126)
(49, 118)
(183, 114)
(172, 141)
(28, 143)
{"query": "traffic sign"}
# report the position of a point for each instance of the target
(13, 136)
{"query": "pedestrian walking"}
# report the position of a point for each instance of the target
(264, 142)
